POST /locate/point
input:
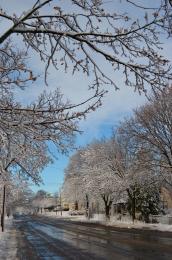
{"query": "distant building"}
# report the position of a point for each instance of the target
(166, 198)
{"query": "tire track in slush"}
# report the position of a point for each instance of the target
(47, 247)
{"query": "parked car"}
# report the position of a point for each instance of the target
(76, 212)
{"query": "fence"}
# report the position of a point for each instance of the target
(163, 219)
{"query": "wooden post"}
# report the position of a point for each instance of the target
(3, 209)
(60, 204)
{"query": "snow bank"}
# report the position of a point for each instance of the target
(125, 222)
(141, 225)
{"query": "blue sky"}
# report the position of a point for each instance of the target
(99, 124)
(116, 104)
(53, 174)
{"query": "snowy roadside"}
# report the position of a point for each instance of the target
(8, 241)
(99, 219)
(141, 225)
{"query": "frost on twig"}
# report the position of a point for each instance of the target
(81, 39)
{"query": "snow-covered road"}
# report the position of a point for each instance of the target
(46, 238)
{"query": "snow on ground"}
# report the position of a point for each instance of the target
(140, 225)
(100, 218)
(8, 242)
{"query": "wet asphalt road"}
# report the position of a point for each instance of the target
(47, 238)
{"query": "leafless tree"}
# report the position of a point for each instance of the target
(81, 36)
(18, 193)
(75, 38)
(13, 69)
(80, 39)
(73, 189)
(151, 129)
(49, 118)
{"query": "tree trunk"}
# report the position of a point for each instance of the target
(133, 208)
(3, 209)
(87, 207)
(146, 218)
(76, 205)
(133, 204)
(97, 208)
(107, 211)
(108, 203)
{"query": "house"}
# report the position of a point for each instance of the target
(166, 198)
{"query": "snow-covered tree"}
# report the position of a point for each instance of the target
(71, 35)
(151, 129)
(42, 200)
(14, 192)
(142, 177)
(73, 189)
(77, 36)
(20, 153)
(99, 174)
(38, 201)
(18, 193)
(146, 197)
(24, 153)
(115, 169)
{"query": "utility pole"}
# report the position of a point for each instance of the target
(56, 202)
(3, 208)
(60, 196)
(60, 203)
(76, 196)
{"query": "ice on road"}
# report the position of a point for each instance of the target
(47, 238)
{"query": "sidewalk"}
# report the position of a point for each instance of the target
(8, 241)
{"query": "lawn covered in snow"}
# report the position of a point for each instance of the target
(100, 218)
